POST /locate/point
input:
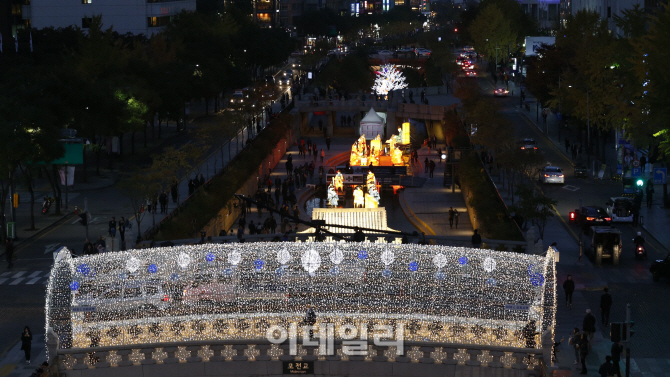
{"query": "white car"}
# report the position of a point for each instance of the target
(620, 209)
(422, 52)
(553, 174)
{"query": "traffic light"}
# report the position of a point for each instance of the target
(83, 218)
(573, 217)
(615, 332)
(625, 329)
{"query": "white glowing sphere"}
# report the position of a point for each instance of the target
(388, 257)
(283, 256)
(336, 256)
(440, 260)
(234, 257)
(311, 260)
(133, 264)
(183, 260)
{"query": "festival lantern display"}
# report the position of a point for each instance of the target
(237, 291)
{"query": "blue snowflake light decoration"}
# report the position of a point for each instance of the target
(537, 280)
(334, 271)
(83, 269)
(174, 277)
(74, 285)
(413, 266)
(440, 275)
(362, 254)
(387, 273)
(210, 257)
(258, 264)
(463, 260)
(152, 268)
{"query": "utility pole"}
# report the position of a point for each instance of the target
(628, 323)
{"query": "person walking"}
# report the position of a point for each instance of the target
(583, 351)
(323, 154)
(569, 288)
(425, 165)
(606, 369)
(328, 142)
(605, 305)
(574, 340)
(310, 320)
(122, 229)
(476, 239)
(112, 227)
(432, 169)
(589, 324)
(163, 200)
(174, 191)
(617, 350)
(456, 214)
(26, 342)
(451, 217)
(650, 192)
(9, 253)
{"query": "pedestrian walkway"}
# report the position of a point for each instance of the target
(427, 207)
(14, 364)
(24, 277)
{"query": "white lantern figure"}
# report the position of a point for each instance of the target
(311, 260)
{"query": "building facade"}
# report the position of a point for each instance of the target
(124, 16)
(607, 9)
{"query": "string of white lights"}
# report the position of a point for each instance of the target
(236, 291)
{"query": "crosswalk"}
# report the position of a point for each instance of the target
(24, 277)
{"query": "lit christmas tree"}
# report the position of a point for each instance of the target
(388, 79)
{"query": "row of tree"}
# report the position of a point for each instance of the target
(103, 84)
(609, 81)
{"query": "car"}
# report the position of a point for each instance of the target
(422, 52)
(553, 174)
(528, 144)
(620, 209)
(385, 52)
(603, 242)
(660, 268)
(501, 92)
(269, 79)
(590, 215)
(470, 73)
(284, 81)
(580, 170)
(238, 97)
(288, 73)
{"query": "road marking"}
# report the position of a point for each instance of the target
(50, 248)
(3, 280)
(570, 188)
(92, 221)
(18, 275)
(76, 221)
(16, 281)
(5, 274)
(34, 274)
(33, 281)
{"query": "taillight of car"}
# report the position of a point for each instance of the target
(639, 248)
(546, 175)
(560, 175)
(608, 219)
(523, 147)
(590, 218)
(534, 147)
(166, 298)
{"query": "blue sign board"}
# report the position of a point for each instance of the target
(660, 176)
(636, 172)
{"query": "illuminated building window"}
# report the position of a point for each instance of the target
(264, 17)
(158, 21)
(399, 2)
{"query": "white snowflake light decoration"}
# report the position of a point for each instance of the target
(283, 256)
(183, 260)
(311, 260)
(439, 260)
(336, 256)
(387, 257)
(388, 79)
